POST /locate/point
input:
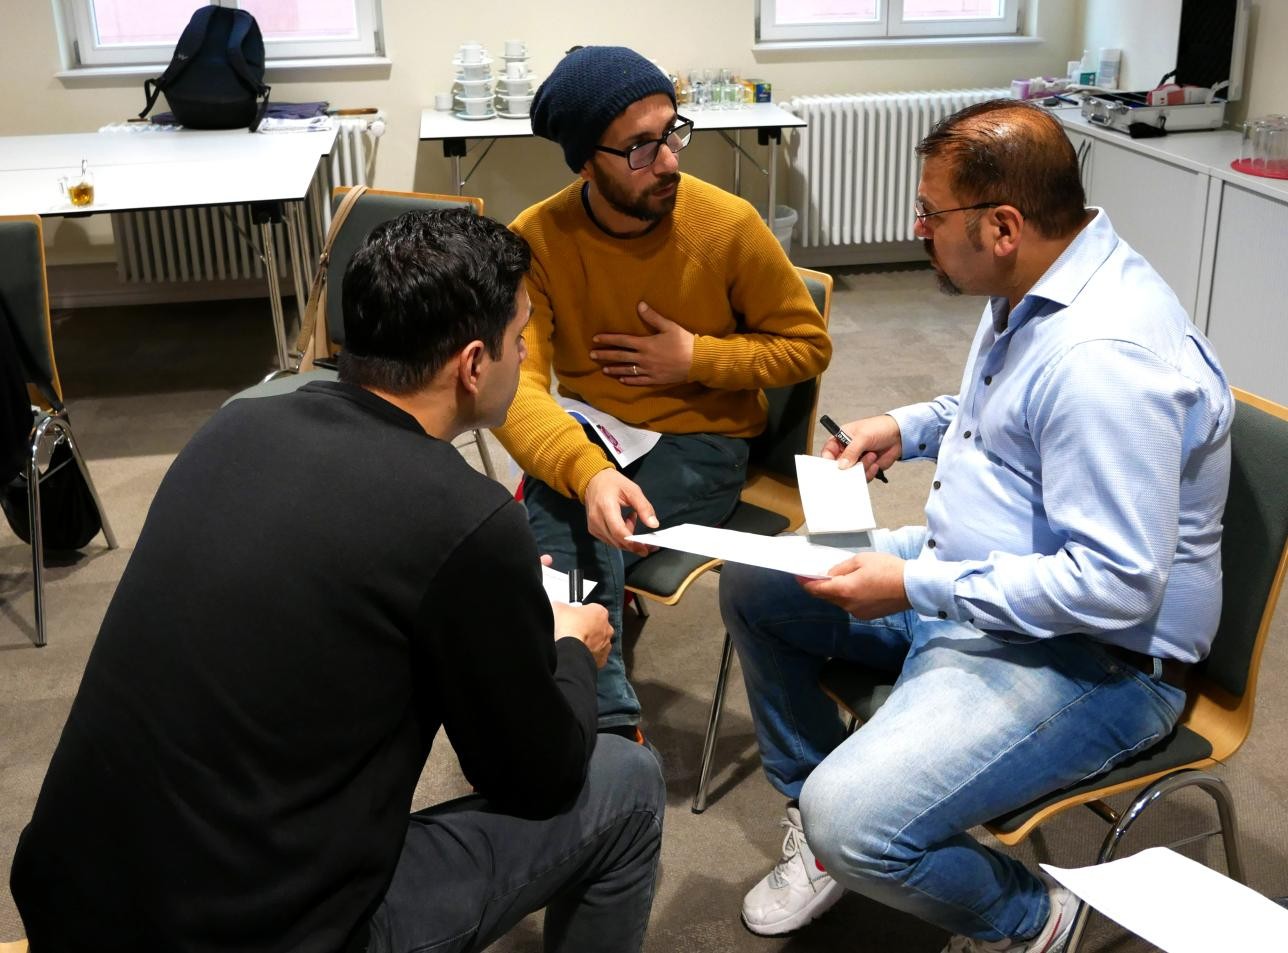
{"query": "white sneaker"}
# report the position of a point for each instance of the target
(795, 892)
(1052, 939)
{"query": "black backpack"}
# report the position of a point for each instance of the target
(217, 72)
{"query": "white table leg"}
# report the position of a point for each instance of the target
(773, 180)
(274, 291)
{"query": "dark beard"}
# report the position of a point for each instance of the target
(637, 206)
(945, 283)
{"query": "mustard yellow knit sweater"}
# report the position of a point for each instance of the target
(711, 266)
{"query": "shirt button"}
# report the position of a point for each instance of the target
(921, 446)
(988, 380)
(931, 543)
(943, 614)
(966, 435)
(936, 484)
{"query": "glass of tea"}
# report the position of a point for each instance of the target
(79, 188)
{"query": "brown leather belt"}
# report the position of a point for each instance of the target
(1173, 671)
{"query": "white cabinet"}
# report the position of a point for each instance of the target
(1218, 237)
(1158, 208)
(1083, 145)
(1248, 315)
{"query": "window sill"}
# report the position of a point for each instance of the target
(103, 75)
(887, 42)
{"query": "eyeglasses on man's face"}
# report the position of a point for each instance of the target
(644, 154)
(922, 213)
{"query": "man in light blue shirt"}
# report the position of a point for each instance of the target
(1069, 567)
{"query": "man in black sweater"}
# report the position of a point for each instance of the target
(321, 583)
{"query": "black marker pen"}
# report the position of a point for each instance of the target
(843, 439)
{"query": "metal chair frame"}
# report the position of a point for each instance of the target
(56, 422)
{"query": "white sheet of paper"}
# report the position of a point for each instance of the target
(556, 584)
(793, 554)
(626, 443)
(1178, 904)
(835, 500)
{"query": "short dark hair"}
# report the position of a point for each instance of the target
(1016, 153)
(420, 288)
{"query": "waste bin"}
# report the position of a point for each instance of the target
(784, 224)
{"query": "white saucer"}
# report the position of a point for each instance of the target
(506, 115)
(458, 62)
(491, 114)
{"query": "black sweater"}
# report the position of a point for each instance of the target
(319, 586)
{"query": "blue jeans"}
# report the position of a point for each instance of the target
(978, 724)
(469, 873)
(689, 478)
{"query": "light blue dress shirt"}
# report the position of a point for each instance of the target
(1083, 467)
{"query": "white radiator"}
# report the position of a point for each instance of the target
(219, 242)
(855, 168)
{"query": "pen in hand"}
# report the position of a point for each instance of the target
(574, 587)
(843, 439)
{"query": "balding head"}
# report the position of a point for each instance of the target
(1014, 153)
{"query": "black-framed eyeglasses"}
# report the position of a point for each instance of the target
(921, 213)
(644, 154)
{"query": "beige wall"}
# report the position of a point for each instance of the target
(422, 35)
(1145, 30)
(1265, 88)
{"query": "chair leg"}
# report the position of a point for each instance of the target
(1213, 786)
(485, 454)
(61, 428)
(713, 727)
(641, 605)
(37, 536)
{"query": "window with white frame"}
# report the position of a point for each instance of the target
(837, 20)
(127, 32)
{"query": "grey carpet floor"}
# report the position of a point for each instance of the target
(140, 381)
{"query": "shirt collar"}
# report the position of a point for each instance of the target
(1068, 275)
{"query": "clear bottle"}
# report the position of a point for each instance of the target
(726, 90)
(684, 91)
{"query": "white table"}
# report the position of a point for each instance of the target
(768, 119)
(136, 171)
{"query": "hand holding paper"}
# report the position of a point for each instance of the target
(867, 586)
(837, 508)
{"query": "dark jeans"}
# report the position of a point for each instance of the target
(468, 874)
(689, 478)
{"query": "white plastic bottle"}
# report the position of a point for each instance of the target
(1087, 76)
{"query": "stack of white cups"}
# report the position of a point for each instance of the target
(472, 92)
(517, 86)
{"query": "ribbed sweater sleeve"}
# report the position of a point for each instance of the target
(711, 266)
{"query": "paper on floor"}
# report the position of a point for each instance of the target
(1178, 904)
(793, 554)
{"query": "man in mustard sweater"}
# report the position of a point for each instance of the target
(658, 299)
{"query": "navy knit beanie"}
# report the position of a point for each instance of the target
(588, 90)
